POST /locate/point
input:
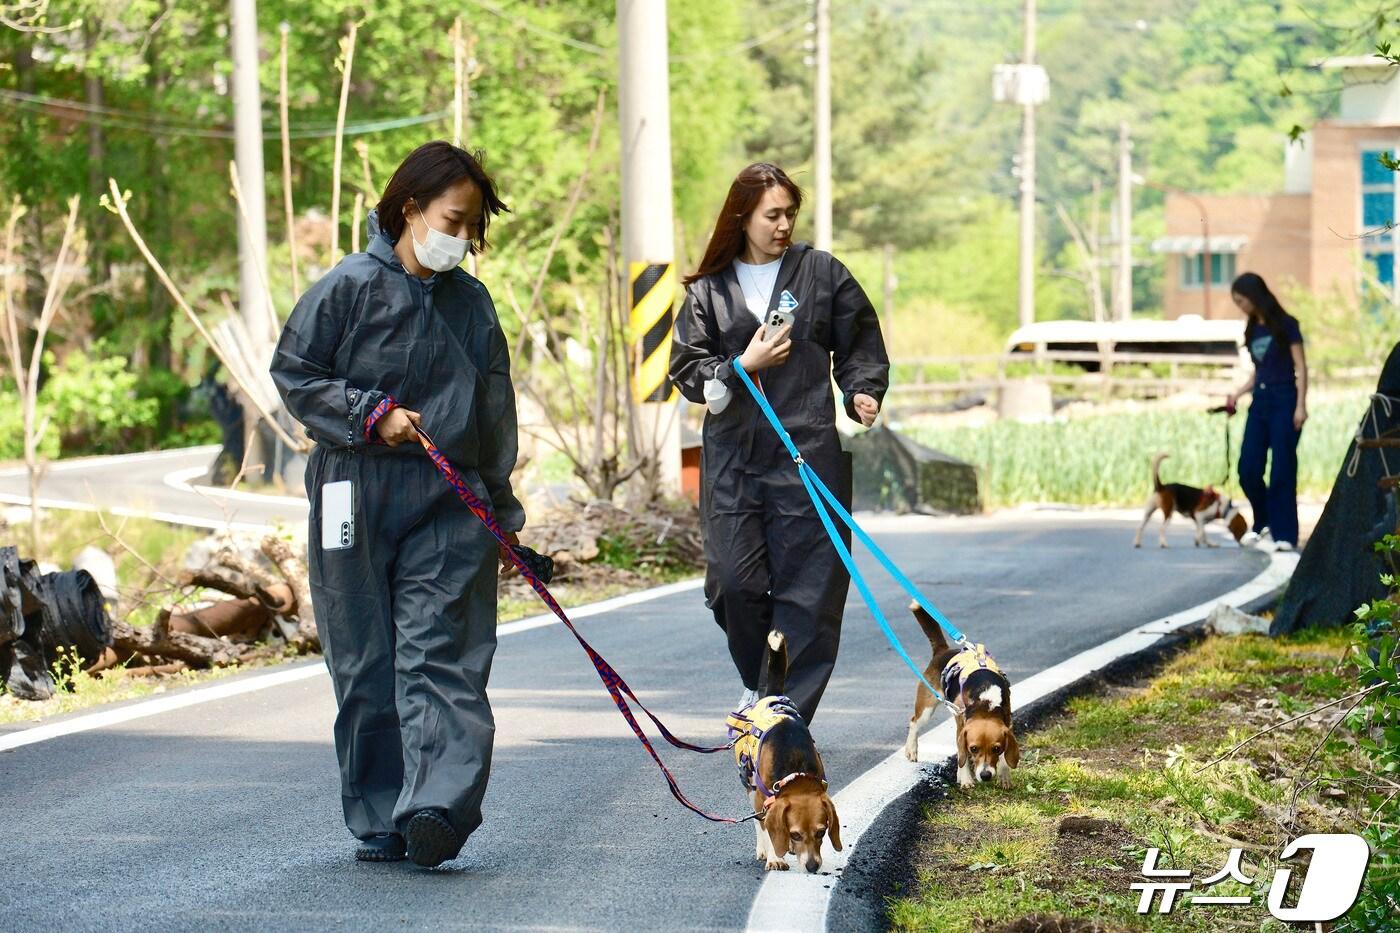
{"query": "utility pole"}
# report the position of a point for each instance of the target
(1123, 306)
(252, 235)
(822, 124)
(648, 238)
(1026, 296)
(248, 153)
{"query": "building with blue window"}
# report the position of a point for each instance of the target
(1328, 231)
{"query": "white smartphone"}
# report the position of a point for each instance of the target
(777, 320)
(337, 515)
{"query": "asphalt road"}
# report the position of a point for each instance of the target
(156, 483)
(227, 815)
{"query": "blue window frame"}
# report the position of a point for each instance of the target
(1377, 216)
(1222, 269)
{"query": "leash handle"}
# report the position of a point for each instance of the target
(818, 491)
(612, 680)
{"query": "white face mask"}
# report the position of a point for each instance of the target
(441, 251)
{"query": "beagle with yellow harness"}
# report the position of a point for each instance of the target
(781, 769)
(979, 696)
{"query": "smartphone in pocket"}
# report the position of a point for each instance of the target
(777, 320)
(337, 515)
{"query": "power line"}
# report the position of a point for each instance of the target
(748, 45)
(528, 26)
(165, 126)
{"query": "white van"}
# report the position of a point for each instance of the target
(1190, 337)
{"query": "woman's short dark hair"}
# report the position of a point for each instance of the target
(428, 171)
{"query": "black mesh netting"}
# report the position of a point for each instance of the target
(1339, 569)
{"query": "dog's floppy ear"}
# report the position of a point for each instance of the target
(833, 824)
(775, 823)
(1013, 751)
(962, 746)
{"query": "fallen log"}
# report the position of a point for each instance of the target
(293, 570)
(238, 619)
(159, 641)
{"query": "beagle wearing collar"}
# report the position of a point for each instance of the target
(980, 696)
(1203, 505)
(781, 769)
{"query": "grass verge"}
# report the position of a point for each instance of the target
(1130, 759)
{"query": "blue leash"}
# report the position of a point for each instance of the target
(824, 499)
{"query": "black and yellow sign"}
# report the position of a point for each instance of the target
(653, 297)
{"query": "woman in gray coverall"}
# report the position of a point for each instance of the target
(404, 585)
(769, 562)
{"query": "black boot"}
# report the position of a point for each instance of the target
(384, 847)
(431, 839)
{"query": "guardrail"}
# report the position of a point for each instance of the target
(1156, 374)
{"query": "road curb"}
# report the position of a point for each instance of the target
(802, 902)
(884, 870)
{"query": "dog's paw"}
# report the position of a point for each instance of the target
(775, 864)
(1162, 545)
(1004, 781)
(965, 779)
(911, 754)
(1137, 544)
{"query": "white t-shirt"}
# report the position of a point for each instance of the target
(757, 283)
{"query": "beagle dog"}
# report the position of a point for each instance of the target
(981, 696)
(780, 768)
(1203, 505)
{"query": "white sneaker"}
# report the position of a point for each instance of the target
(1263, 540)
(749, 698)
(1283, 546)
(1249, 539)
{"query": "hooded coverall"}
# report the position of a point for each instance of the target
(769, 562)
(407, 614)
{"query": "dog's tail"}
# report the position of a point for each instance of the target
(777, 663)
(937, 640)
(1156, 466)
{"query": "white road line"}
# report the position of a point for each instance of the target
(146, 708)
(174, 518)
(796, 901)
(79, 463)
(303, 672)
(180, 480)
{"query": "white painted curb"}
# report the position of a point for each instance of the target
(797, 901)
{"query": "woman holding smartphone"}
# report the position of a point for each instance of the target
(793, 316)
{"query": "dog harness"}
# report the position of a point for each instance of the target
(747, 729)
(962, 665)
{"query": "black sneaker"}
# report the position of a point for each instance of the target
(431, 839)
(384, 847)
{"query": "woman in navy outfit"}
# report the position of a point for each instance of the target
(1276, 416)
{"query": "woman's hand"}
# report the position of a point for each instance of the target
(866, 407)
(1300, 415)
(1232, 402)
(762, 354)
(508, 568)
(397, 427)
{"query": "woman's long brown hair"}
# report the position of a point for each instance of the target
(727, 242)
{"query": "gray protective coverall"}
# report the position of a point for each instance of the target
(407, 615)
(769, 562)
